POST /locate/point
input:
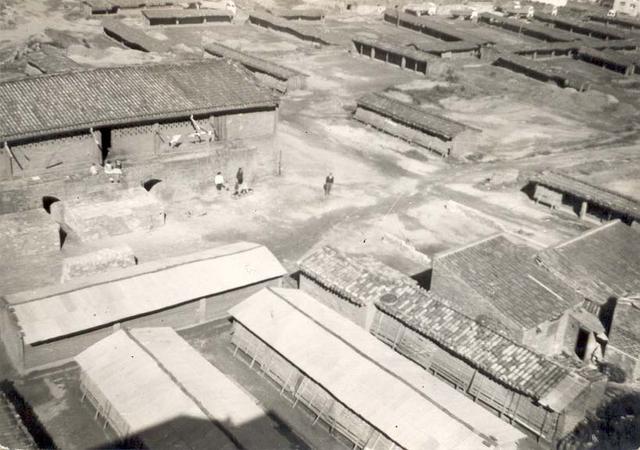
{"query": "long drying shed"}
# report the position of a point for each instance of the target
(365, 393)
(403, 57)
(272, 74)
(436, 133)
(174, 16)
(49, 326)
(560, 190)
(154, 389)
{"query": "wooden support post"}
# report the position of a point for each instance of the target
(583, 209)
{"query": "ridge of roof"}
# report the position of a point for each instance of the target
(587, 233)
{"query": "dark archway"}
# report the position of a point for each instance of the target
(150, 183)
(47, 201)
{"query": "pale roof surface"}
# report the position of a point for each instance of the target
(396, 396)
(217, 395)
(55, 312)
(145, 398)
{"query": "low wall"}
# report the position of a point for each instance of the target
(96, 262)
(26, 233)
(109, 213)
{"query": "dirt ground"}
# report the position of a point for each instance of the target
(391, 200)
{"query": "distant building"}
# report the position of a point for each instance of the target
(434, 132)
(501, 283)
(361, 390)
(543, 396)
(49, 326)
(559, 190)
(628, 7)
(154, 389)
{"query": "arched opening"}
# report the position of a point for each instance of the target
(47, 201)
(150, 183)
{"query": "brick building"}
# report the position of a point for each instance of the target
(130, 109)
(501, 284)
(539, 394)
(48, 326)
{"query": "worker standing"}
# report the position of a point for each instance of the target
(240, 176)
(328, 183)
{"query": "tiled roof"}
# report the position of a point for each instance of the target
(412, 115)
(514, 365)
(609, 255)
(13, 433)
(589, 192)
(58, 103)
(625, 327)
(364, 280)
(184, 13)
(542, 69)
(508, 277)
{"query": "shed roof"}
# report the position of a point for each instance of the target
(58, 311)
(392, 48)
(508, 277)
(133, 35)
(611, 57)
(440, 27)
(625, 327)
(121, 95)
(176, 13)
(13, 433)
(362, 282)
(586, 27)
(252, 62)
(598, 195)
(411, 115)
(49, 61)
(396, 396)
(219, 397)
(499, 357)
(552, 34)
(608, 255)
(146, 397)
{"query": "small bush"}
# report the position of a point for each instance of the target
(613, 372)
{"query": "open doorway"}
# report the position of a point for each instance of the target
(581, 343)
(105, 143)
(150, 183)
(47, 201)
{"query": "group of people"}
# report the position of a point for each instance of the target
(114, 170)
(240, 188)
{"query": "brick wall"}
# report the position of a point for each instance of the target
(97, 262)
(61, 154)
(250, 125)
(25, 233)
(551, 337)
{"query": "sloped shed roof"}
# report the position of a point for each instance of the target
(58, 311)
(584, 190)
(396, 396)
(411, 115)
(73, 101)
(607, 256)
(625, 327)
(146, 398)
(509, 278)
